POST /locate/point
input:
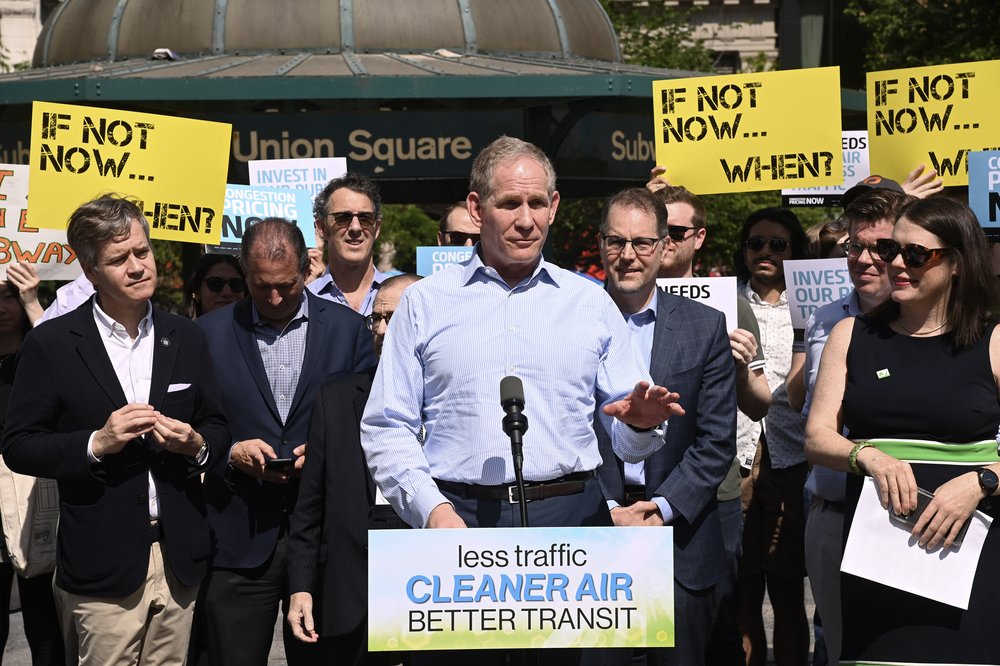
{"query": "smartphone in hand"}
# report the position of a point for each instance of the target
(280, 465)
(910, 519)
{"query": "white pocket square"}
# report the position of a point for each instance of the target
(177, 387)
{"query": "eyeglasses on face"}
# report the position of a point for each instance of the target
(374, 319)
(641, 246)
(914, 256)
(854, 249)
(677, 232)
(343, 219)
(460, 237)
(757, 243)
(215, 284)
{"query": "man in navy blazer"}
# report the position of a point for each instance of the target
(272, 353)
(117, 401)
(688, 349)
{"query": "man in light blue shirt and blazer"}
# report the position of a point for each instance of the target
(686, 345)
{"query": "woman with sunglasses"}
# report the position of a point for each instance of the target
(217, 281)
(925, 366)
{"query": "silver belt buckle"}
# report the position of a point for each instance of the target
(510, 494)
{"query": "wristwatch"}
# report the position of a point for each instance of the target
(988, 480)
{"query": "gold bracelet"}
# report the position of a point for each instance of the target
(852, 459)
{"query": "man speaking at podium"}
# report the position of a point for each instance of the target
(507, 312)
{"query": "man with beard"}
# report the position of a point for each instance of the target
(773, 533)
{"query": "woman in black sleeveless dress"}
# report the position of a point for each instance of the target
(925, 366)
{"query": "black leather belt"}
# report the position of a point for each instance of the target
(570, 484)
(634, 494)
(829, 505)
(155, 531)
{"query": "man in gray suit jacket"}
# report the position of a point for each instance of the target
(687, 346)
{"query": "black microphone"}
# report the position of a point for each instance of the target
(515, 423)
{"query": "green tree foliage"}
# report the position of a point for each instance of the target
(913, 33)
(406, 227)
(169, 293)
(654, 35)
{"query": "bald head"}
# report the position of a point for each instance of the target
(386, 301)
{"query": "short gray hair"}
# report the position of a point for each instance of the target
(98, 222)
(504, 149)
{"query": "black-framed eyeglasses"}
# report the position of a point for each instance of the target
(344, 218)
(215, 284)
(854, 249)
(374, 319)
(460, 237)
(757, 243)
(677, 232)
(641, 246)
(914, 256)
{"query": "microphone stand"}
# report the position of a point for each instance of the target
(514, 423)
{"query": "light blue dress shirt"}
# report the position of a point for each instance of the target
(325, 287)
(642, 325)
(453, 337)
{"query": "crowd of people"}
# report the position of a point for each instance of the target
(218, 469)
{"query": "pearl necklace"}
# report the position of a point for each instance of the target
(899, 321)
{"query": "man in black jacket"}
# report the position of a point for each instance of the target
(338, 504)
(117, 400)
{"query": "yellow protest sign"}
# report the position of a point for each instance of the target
(933, 116)
(174, 168)
(750, 132)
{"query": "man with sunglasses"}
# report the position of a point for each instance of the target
(687, 348)
(456, 226)
(348, 214)
(870, 215)
(774, 526)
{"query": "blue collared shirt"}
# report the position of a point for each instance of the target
(325, 287)
(823, 481)
(453, 337)
(642, 325)
(282, 353)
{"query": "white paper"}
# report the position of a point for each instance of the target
(715, 292)
(881, 550)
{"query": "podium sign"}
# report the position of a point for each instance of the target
(520, 588)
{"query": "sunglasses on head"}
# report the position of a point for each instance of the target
(344, 218)
(677, 232)
(461, 238)
(215, 284)
(914, 256)
(757, 243)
